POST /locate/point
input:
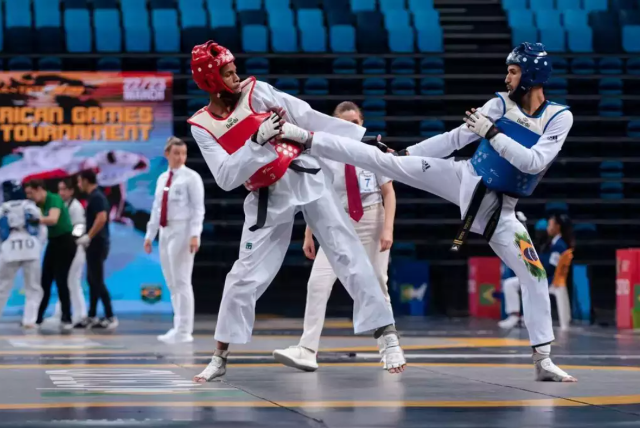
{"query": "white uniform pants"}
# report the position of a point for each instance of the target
(32, 288)
(176, 260)
(262, 253)
(369, 230)
(78, 303)
(455, 182)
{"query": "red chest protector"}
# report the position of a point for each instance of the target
(233, 131)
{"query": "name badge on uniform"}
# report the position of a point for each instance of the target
(20, 246)
(367, 182)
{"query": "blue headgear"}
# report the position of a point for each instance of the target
(534, 64)
(12, 191)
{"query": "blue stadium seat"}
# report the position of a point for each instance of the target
(78, 30)
(109, 63)
(19, 40)
(374, 86)
(432, 65)
(313, 39)
(362, 5)
(633, 128)
(610, 107)
(256, 65)
(280, 17)
(306, 4)
(610, 86)
(595, 5)
(46, 13)
(166, 33)
(217, 5)
(629, 17)
(137, 36)
(402, 40)
(611, 190)
(342, 38)
(540, 4)
(374, 65)
(161, 4)
(403, 65)
(524, 33)
(134, 5)
(575, 18)
(107, 30)
(284, 39)
(555, 207)
(584, 228)
(370, 35)
(420, 5)
(192, 88)
(336, 5)
(547, 19)
(556, 86)
(51, 63)
(192, 14)
(20, 63)
(289, 85)
(316, 86)
(252, 17)
(168, 64)
(242, 5)
(553, 39)
(583, 66)
(519, 17)
(425, 19)
(310, 18)
(345, 66)
(580, 39)
(104, 4)
(432, 127)
(510, 5)
(18, 13)
(374, 107)
(192, 36)
(403, 86)
(610, 65)
(276, 4)
(48, 40)
(255, 38)
(633, 66)
(396, 18)
(564, 5)
(622, 5)
(631, 38)
(375, 127)
(431, 86)
(430, 40)
(222, 18)
(611, 169)
(560, 65)
(339, 17)
(195, 104)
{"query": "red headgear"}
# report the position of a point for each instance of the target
(206, 61)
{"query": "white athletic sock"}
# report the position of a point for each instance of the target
(544, 349)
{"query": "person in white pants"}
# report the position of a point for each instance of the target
(22, 240)
(372, 209)
(178, 211)
(66, 190)
(244, 141)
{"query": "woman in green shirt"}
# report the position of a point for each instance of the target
(60, 251)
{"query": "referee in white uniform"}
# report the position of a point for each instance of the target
(66, 190)
(178, 211)
(371, 203)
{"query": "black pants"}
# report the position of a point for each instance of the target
(56, 265)
(97, 253)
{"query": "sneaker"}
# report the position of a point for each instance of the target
(216, 368)
(546, 371)
(106, 324)
(66, 326)
(86, 323)
(173, 337)
(509, 322)
(393, 353)
(297, 357)
(168, 336)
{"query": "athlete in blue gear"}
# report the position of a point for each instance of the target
(520, 133)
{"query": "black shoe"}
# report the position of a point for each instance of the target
(107, 323)
(85, 323)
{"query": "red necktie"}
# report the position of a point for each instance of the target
(165, 200)
(353, 193)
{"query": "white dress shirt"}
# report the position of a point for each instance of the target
(368, 182)
(185, 201)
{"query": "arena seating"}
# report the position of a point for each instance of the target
(413, 73)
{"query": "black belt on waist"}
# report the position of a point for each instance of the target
(263, 196)
(474, 206)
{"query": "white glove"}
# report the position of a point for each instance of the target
(295, 134)
(479, 124)
(84, 240)
(270, 128)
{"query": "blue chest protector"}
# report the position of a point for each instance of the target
(15, 210)
(496, 172)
